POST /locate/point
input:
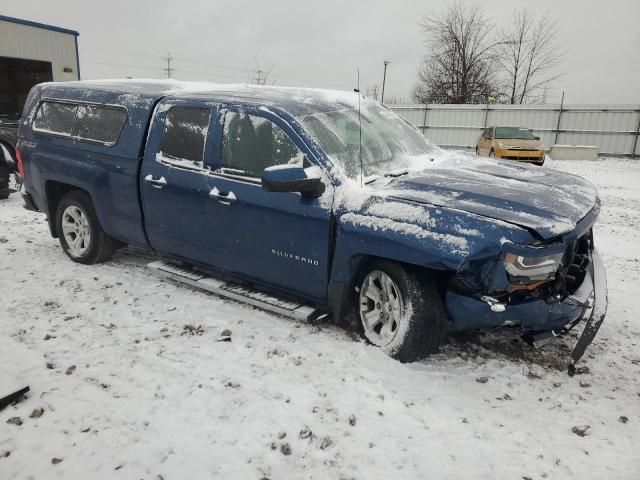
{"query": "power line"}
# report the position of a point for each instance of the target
(122, 65)
(158, 69)
(181, 59)
(261, 76)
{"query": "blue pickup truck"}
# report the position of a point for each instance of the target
(319, 198)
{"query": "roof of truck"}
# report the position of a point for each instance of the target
(296, 101)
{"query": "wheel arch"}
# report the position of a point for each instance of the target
(342, 294)
(54, 191)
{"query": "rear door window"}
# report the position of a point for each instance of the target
(99, 124)
(251, 143)
(55, 117)
(185, 133)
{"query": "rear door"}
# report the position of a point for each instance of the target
(175, 183)
(280, 239)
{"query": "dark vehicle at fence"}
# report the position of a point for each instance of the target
(8, 165)
(322, 205)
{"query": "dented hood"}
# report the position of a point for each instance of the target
(547, 202)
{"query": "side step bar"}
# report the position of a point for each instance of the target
(234, 291)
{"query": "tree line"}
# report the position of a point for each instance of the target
(471, 60)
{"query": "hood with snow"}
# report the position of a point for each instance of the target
(546, 202)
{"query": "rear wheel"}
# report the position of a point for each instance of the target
(492, 154)
(400, 312)
(79, 231)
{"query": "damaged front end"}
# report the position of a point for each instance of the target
(545, 290)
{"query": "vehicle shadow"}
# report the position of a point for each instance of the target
(506, 344)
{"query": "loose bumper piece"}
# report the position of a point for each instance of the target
(595, 311)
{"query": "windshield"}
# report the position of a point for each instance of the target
(514, 133)
(388, 142)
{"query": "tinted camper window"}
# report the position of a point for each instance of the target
(55, 117)
(86, 122)
(185, 131)
(100, 124)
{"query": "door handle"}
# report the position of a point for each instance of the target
(156, 182)
(223, 197)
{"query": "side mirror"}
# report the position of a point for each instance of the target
(290, 178)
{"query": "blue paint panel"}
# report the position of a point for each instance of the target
(531, 317)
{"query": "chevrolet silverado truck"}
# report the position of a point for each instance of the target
(314, 204)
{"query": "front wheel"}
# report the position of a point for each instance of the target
(79, 231)
(401, 312)
(492, 154)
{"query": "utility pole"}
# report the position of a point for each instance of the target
(259, 77)
(384, 79)
(168, 70)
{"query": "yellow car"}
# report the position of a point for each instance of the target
(511, 143)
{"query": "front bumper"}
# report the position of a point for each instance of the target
(533, 156)
(539, 320)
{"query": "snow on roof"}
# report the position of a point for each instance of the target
(277, 94)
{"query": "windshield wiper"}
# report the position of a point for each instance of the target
(397, 173)
(393, 173)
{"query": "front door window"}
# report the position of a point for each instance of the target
(251, 143)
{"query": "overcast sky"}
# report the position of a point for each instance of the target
(321, 44)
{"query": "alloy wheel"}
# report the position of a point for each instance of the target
(76, 230)
(381, 307)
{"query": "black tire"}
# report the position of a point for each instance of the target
(100, 246)
(492, 154)
(477, 152)
(423, 326)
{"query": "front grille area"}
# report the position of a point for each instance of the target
(568, 278)
(574, 266)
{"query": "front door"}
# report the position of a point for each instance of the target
(279, 239)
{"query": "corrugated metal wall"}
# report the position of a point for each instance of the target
(615, 129)
(27, 42)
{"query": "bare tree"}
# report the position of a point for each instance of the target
(459, 66)
(529, 54)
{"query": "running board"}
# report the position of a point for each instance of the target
(234, 291)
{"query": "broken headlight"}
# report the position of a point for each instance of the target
(524, 270)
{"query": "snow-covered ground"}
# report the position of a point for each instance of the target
(126, 395)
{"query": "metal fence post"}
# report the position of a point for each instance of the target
(486, 115)
(635, 140)
(555, 142)
(424, 121)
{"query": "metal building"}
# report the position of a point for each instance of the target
(32, 53)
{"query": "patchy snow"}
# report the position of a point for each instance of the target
(450, 243)
(126, 395)
(403, 212)
(179, 162)
(172, 87)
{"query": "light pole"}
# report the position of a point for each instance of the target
(384, 79)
